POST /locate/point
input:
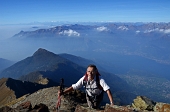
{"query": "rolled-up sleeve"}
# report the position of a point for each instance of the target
(104, 84)
(79, 84)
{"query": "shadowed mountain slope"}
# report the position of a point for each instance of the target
(37, 77)
(81, 61)
(12, 89)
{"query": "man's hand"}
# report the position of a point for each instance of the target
(60, 93)
(111, 103)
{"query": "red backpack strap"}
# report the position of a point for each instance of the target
(85, 77)
(98, 81)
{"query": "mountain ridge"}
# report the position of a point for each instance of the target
(12, 89)
(4, 63)
(147, 28)
(41, 60)
(128, 39)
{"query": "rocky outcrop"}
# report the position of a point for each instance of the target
(143, 103)
(45, 100)
(162, 107)
(107, 108)
(48, 97)
(116, 108)
(26, 107)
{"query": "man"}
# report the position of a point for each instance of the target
(94, 86)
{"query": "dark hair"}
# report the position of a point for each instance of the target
(95, 68)
(92, 65)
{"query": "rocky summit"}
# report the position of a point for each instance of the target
(47, 98)
(44, 100)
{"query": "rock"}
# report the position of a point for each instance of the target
(143, 103)
(26, 105)
(115, 108)
(40, 108)
(162, 107)
(7, 109)
(108, 108)
(80, 108)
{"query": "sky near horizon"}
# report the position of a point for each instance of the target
(28, 11)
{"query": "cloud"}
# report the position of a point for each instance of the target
(69, 33)
(167, 31)
(102, 28)
(158, 30)
(137, 31)
(122, 28)
(148, 31)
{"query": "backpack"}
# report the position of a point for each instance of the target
(94, 98)
(97, 81)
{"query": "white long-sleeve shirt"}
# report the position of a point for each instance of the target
(91, 85)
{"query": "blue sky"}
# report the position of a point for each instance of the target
(27, 11)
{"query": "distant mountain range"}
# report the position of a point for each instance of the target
(148, 40)
(4, 63)
(109, 44)
(78, 30)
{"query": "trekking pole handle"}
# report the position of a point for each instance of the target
(62, 85)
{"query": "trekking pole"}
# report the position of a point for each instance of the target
(59, 97)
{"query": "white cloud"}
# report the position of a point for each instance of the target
(102, 28)
(158, 30)
(161, 30)
(148, 31)
(122, 28)
(167, 31)
(137, 31)
(69, 33)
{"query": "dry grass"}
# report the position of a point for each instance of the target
(6, 94)
(16, 100)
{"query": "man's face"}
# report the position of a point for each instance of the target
(91, 72)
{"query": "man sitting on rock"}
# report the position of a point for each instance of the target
(94, 85)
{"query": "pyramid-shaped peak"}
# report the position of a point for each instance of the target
(42, 51)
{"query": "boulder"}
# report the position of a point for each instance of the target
(116, 108)
(26, 105)
(80, 108)
(7, 109)
(108, 108)
(40, 108)
(162, 107)
(143, 103)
